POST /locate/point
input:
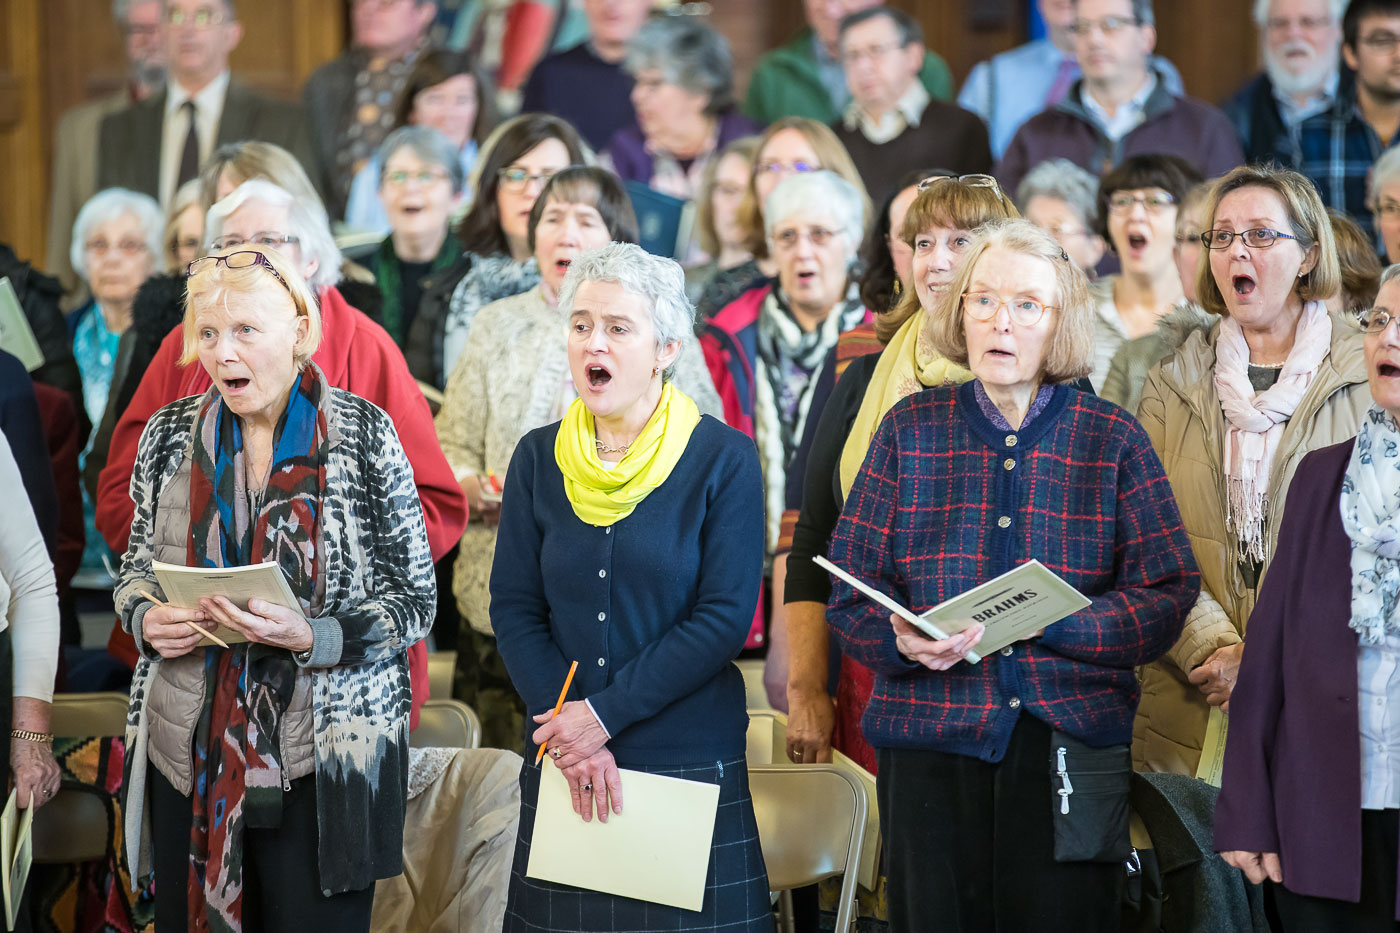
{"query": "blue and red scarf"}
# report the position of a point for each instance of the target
(238, 778)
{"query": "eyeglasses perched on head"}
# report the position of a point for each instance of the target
(518, 179)
(1375, 320)
(1121, 202)
(242, 259)
(266, 239)
(971, 181)
(984, 306)
(1256, 238)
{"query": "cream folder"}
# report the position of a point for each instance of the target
(657, 849)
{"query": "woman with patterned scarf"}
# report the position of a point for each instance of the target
(268, 780)
(765, 349)
(631, 542)
(1311, 789)
(1231, 413)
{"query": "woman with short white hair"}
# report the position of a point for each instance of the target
(1383, 198)
(631, 536)
(1062, 198)
(262, 214)
(764, 350)
(116, 247)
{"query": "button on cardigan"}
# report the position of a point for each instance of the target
(654, 608)
(945, 501)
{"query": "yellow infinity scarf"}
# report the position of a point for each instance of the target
(908, 364)
(602, 496)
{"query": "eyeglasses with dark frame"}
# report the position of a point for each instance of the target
(242, 259)
(1122, 202)
(1254, 238)
(518, 179)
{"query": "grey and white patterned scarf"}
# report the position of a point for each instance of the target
(1371, 516)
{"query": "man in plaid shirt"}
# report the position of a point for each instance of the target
(1336, 148)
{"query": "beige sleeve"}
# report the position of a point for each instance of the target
(1207, 630)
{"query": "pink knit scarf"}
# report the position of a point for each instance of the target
(1256, 421)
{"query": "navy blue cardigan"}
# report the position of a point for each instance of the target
(654, 608)
(946, 501)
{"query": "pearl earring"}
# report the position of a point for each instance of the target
(656, 370)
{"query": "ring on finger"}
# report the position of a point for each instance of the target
(586, 787)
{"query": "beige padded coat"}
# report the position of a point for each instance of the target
(1181, 413)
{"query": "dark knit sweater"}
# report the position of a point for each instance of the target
(654, 608)
(945, 501)
(947, 137)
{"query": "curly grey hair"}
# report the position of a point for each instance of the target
(306, 221)
(688, 54)
(655, 279)
(1062, 179)
(108, 205)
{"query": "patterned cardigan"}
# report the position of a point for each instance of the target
(380, 597)
(946, 501)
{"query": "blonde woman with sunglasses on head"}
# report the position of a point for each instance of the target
(267, 781)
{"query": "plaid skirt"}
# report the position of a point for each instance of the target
(736, 887)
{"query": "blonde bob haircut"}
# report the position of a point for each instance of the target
(949, 203)
(215, 281)
(1071, 354)
(1306, 216)
(830, 153)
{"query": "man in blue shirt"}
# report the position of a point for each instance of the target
(1010, 88)
(1338, 146)
(1300, 44)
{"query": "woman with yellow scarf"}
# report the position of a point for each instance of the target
(937, 227)
(631, 541)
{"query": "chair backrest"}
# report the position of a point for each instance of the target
(78, 715)
(755, 694)
(446, 724)
(442, 667)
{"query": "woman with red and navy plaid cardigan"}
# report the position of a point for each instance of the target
(1003, 785)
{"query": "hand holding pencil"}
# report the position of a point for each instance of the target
(175, 632)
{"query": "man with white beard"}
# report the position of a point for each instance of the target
(1300, 43)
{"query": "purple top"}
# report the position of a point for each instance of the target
(994, 415)
(632, 162)
(1292, 780)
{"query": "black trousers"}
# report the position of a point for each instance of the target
(969, 846)
(1301, 913)
(281, 886)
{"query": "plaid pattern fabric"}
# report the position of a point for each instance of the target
(1336, 149)
(946, 501)
(736, 889)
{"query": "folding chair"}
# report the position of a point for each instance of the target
(73, 827)
(446, 724)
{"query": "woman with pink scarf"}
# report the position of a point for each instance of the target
(1231, 413)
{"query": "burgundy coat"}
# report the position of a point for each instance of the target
(1292, 781)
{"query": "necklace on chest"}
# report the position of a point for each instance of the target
(605, 449)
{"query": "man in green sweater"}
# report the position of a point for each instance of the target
(805, 79)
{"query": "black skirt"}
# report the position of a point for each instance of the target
(736, 887)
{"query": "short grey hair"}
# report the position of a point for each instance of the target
(305, 220)
(822, 192)
(660, 282)
(1261, 11)
(428, 145)
(1142, 12)
(1391, 273)
(1386, 170)
(1062, 179)
(688, 54)
(109, 205)
(227, 5)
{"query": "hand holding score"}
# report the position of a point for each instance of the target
(934, 654)
(264, 622)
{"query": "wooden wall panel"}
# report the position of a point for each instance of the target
(58, 53)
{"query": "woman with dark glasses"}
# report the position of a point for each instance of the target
(1231, 414)
(268, 776)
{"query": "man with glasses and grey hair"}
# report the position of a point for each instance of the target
(892, 124)
(1300, 42)
(1338, 146)
(156, 145)
(1121, 106)
(75, 139)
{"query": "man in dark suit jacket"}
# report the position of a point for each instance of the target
(154, 145)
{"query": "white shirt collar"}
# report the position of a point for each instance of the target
(210, 97)
(906, 112)
(1128, 115)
